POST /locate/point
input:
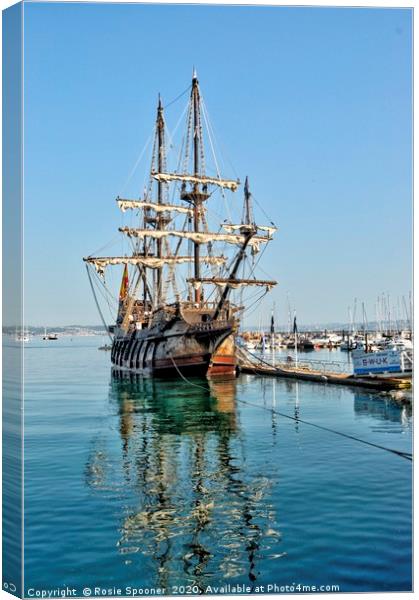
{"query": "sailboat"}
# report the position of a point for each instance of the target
(191, 332)
(49, 336)
(22, 336)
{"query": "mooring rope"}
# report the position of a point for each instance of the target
(402, 454)
(260, 360)
(184, 378)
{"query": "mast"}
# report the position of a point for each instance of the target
(197, 202)
(160, 161)
(248, 212)
(248, 230)
(233, 273)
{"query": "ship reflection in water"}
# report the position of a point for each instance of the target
(211, 483)
(197, 515)
(155, 483)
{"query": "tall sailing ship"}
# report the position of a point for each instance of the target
(175, 314)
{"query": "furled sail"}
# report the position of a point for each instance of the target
(135, 204)
(203, 179)
(270, 229)
(233, 283)
(100, 263)
(198, 237)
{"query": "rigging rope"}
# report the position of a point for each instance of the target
(256, 304)
(171, 136)
(137, 162)
(113, 242)
(178, 97)
(106, 295)
(264, 211)
(206, 120)
(217, 142)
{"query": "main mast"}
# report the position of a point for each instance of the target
(197, 202)
(197, 195)
(248, 218)
(160, 167)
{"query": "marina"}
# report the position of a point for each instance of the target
(304, 372)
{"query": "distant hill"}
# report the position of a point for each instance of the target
(280, 328)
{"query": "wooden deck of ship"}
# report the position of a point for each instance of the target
(249, 363)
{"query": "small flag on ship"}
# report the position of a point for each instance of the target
(295, 330)
(124, 284)
(272, 324)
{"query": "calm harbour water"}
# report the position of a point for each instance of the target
(152, 483)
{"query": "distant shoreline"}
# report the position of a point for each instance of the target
(99, 330)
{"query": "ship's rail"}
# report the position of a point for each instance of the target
(407, 360)
(205, 305)
(290, 364)
(315, 365)
(211, 325)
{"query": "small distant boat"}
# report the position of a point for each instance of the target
(348, 344)
(22, 336)
(250, 345)
(334, 340)
(49, 336)
(106, 347)
(302, 344)
(320, 342)
(402, 344)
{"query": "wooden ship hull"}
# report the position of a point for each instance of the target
(224, 360)
(180, 349)
(180, 339)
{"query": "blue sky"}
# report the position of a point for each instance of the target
(314, 104)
